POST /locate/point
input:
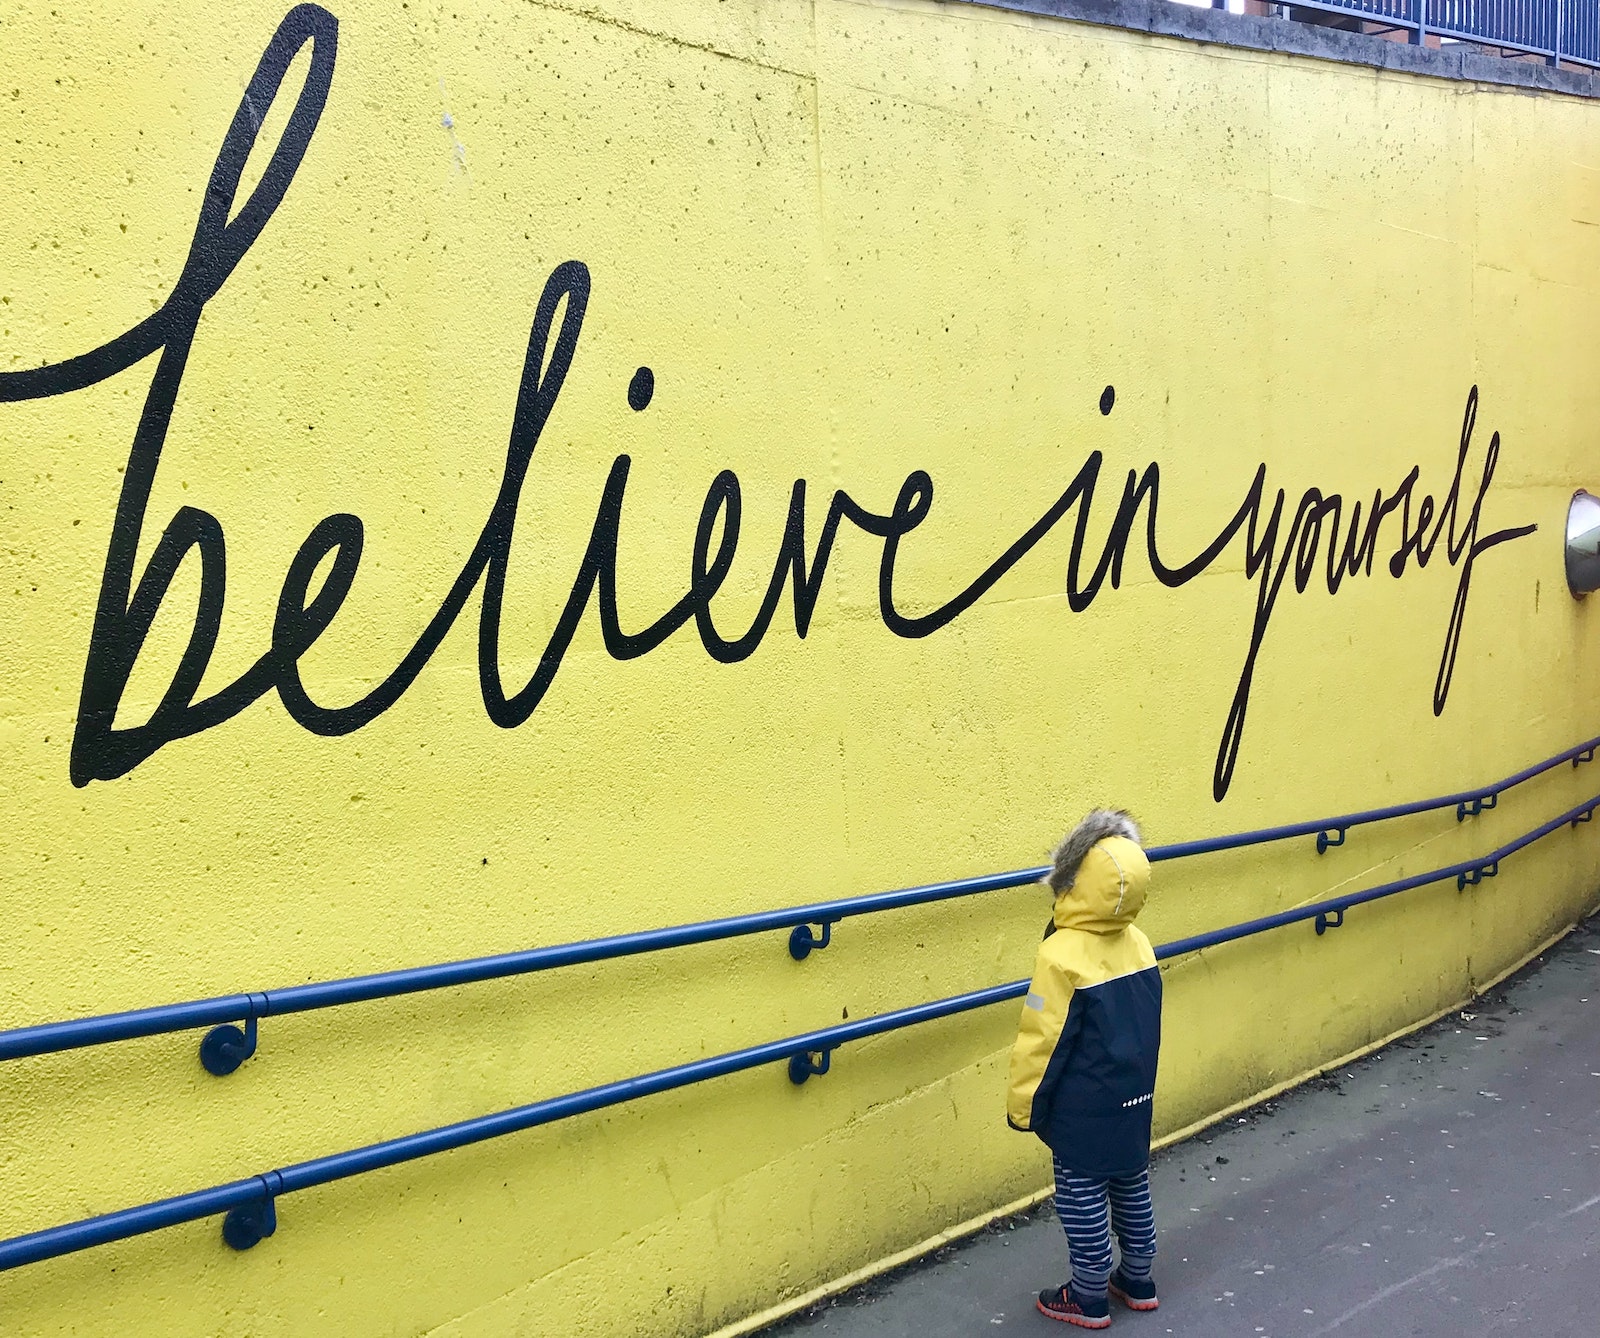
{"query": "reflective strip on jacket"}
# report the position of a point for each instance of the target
(1083, 1069)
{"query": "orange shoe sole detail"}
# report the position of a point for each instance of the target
(1152, 1304)
(1082, 1321)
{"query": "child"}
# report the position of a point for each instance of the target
(1084, 1066)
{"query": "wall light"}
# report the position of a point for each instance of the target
(1583, 543)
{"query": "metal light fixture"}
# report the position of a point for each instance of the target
(1583, 543)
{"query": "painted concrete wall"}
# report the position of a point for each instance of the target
(964, 268)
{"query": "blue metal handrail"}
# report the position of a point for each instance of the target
(249, 1205)
(225, 1047)
(1556, 30)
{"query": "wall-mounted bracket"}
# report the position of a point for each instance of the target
(249, 1224)
(1474, 876)
(1327, 920)
(1587, 755)
(807, 1064)
(1470, 808)
(1334, 837)
(224, 1048)
(1585, 816)
(802, 940)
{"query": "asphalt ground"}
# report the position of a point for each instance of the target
(1447, 1185)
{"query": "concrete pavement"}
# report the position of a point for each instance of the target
(1448, 1185)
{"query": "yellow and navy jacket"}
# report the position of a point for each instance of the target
(1083, 1069)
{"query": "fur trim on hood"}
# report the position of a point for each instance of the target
(1077, 843)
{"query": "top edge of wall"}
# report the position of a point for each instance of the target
(1166, 19)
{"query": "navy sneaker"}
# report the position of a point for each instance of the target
(1065, 1304)
(1134, 1295)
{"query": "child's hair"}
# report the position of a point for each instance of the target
(1099, 824)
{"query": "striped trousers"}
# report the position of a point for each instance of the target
(1090, 1209)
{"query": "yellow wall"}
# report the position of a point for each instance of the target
(853, 241)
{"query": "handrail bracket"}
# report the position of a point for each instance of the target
(1472, 877)
(807, 1064)
(224, 1048)
(1332, 837)
(802, 940)
(249, 1224)
(1470, 808)
(1327, 920)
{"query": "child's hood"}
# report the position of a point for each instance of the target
(1109, 890)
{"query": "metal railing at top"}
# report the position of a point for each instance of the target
(249, 1206)
(1560, 31)
(226, 1045)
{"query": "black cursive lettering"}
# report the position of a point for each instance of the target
(126, 610)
